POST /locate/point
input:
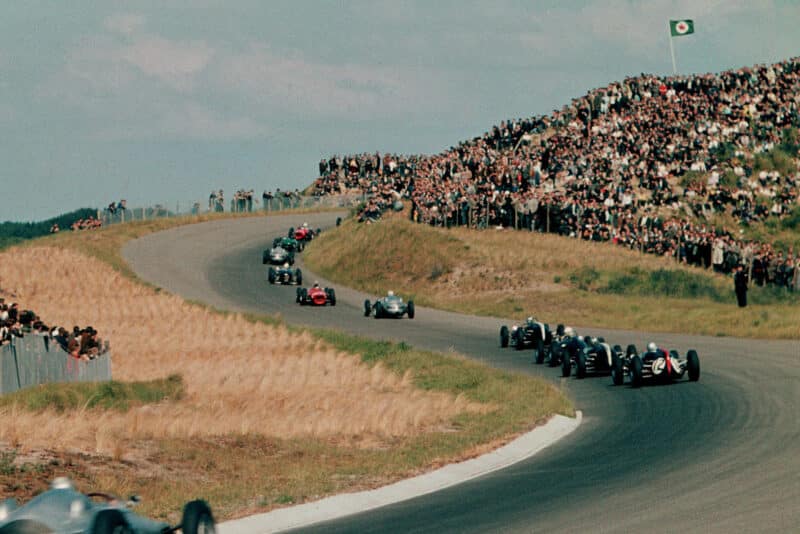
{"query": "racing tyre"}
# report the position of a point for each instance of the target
(560, 330)
(110, 522)
(504, 336)
(264, 258)
(332, 296)
(378, 310)
(271, 275)
(290, 258)
(617, 370)
(580, 367)
(300, 246)
(298, 294)
(298, 277)
(539, 350)
(367, 308)
(197, 518)
(291, 232)
(410, 309)
(566, 366)
(303, 295)
(693, 365)
(636, 371)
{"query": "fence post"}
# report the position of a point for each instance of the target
(16, 365)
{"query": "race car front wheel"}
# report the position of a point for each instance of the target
(693, 365)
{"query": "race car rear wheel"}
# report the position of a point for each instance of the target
(298, 277)
(197, 518)
(110, 522)
(580, 367)
(332, 296)
(636, 371)
(271, 275)
(367, 308)
(539, 350)
(566, 366)
(303, 296)
(298, 295)
(378, 310)
(693, 365)
(617, 370)
(504, 336)
(410, 309)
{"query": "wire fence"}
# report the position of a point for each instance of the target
(121, 214)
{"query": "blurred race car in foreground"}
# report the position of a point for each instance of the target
(316, 296)
(655, 364)
(62, 509)
(389, 306)
(285, 275)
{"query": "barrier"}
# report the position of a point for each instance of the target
(34, 359)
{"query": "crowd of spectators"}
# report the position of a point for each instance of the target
(88, 223)
(79, 343)
(654, 164)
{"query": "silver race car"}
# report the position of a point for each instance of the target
(389, 306)
(62, 509)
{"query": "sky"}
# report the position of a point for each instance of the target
(162, 101)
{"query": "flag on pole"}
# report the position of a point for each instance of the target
(681, 27)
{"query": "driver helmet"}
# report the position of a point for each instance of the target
(652, 347)
(569, 331)
(531, 319)
(286, 265)
(316, 284)
(305, 225)
(593, 339)
(390, 293)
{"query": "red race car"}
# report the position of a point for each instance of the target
(303, 233)
(316, 296)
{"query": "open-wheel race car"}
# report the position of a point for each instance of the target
(589, 355)
(531, 334)
(655, 364)
(278, 254)
(62, 509)
(285, 275)
(303, 234)
(316, 296)
(558, 349)
(289, 243)
(390, 306)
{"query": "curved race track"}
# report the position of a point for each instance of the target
(720, 455)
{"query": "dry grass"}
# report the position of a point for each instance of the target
(506, 273)
(242, 377)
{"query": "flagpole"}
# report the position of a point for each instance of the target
(672, 49)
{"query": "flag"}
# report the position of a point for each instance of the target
(681, 27)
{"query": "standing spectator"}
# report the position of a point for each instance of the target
(740, 286)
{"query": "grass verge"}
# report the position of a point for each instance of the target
(560, 280)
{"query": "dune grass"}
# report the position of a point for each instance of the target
(265, 416)
(506, 273)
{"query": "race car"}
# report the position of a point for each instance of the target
(389, 306)
(62, 509)
(303, 234)
(589, 355)
(557, 350)
(316, 296)
(285, 275)
(531, 334)
(289, 243)
(278, 255)
(656, 364)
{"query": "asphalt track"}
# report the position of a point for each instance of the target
(719, 455)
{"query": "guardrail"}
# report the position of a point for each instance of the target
(282, 203)
(34, 359)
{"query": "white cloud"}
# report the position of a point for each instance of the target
(124, 23)
(175, 63)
